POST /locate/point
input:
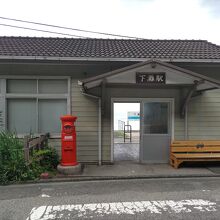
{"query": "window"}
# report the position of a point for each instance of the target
(156, 118)
(52, 86)
(22, 86)
(22, 115)
(49, 113)
(35, 105)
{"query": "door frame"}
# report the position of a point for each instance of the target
(171, 118)
(121, 100)
(141, 101)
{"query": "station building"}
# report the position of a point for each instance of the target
(176, 82)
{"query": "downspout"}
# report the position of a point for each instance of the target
(186, 123)
(99, 126)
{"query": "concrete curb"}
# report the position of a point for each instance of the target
(83, 178)
(103, 178)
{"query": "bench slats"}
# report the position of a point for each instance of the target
(195, 155)
(194, 150)
(195, 142)
(194, 145)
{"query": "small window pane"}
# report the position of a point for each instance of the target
(53, 86)
(22, 115)
(156, 118)
(22, 86)
(49, 115)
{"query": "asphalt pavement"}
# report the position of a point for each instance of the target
(177, 198)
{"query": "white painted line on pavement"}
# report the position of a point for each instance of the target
(118, 208)
(45, 195)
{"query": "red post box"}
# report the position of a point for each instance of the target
(68, 141)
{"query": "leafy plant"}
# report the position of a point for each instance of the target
(46, 158)
(119, 134)
(14, 168)
(12, 163)
(10, 147)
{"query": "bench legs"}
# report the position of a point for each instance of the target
(175, 162)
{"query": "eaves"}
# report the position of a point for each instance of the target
(50, 58)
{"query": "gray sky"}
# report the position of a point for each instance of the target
(121, 113)
(151, 19)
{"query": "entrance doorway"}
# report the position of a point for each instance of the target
(126, 131)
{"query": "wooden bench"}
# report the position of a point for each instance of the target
(196, 150)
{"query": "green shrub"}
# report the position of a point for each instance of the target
(10, 147)
(12, 163)
(14, 168)
(120, 134)
(46, 158)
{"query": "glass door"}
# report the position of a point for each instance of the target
(155, 131)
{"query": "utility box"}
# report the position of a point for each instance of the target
(68, 141)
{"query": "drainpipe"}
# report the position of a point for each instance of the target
(99, 126)
(186, 123)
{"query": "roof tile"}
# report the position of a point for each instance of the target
(108, 48)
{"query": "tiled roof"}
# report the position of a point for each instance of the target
(107, 48)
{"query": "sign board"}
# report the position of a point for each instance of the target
(133, 116)
(150, 78)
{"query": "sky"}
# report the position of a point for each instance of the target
(121, 113)
(150, 19)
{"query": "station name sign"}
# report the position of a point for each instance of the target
(150, 78)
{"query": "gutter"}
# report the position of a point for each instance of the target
(50, 58)
(99, 122)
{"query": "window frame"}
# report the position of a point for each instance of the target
(37, 96)
(2, 102)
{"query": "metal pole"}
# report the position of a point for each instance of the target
(124, 133)
(100, 132)
(186, 123)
